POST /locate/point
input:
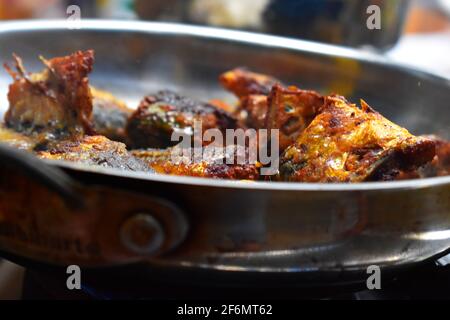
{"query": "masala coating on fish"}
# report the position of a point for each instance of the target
(251, 89)
(56, 101)
(291, 110)
(345, 143)
(232, 162)
(438, 167)
(264, 103)
(243, 82)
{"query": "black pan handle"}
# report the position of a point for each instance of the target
(53, 178)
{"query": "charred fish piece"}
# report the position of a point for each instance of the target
(94, 150)
(110, 115)
(159, 116)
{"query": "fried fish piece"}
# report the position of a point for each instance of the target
(56, 101)
(253, 111)
(288, 109)
(220, 104)
(94, 150)
(110, 115)
(291, 110)
(438, 167)
(347, 144)
(264, 103)
(159, 116)
(213, 163)
(243, 82)
(251, 89)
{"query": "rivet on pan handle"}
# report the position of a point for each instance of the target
(154, 231)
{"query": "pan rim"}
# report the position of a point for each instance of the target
(246, 38)
(412, 184)
(188, 30)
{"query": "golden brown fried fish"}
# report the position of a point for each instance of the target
(251, 89)
(291, 110)
(56, 101)
(265, 104)
(211, 165)
(243, 82)
(347, 144)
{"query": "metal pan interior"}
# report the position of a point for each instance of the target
(136, 58)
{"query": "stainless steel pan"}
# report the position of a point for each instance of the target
(61, 214)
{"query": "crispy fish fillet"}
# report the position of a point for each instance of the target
(253, 111)
(347, 144)
(94, 150)
(213, 164)
(265, 103)
(291, 110)
(110, 115)
(243, 82)
(222, 105)
(56, 101)
(439, 166)
(288, 109)
(251, 89)
(160, 115)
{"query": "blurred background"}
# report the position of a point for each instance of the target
(414, 32)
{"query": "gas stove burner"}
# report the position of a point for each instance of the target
(428, 281)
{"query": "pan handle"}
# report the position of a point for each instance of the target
(48, 216)
(52, 178)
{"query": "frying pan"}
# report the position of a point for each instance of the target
(57, 213)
